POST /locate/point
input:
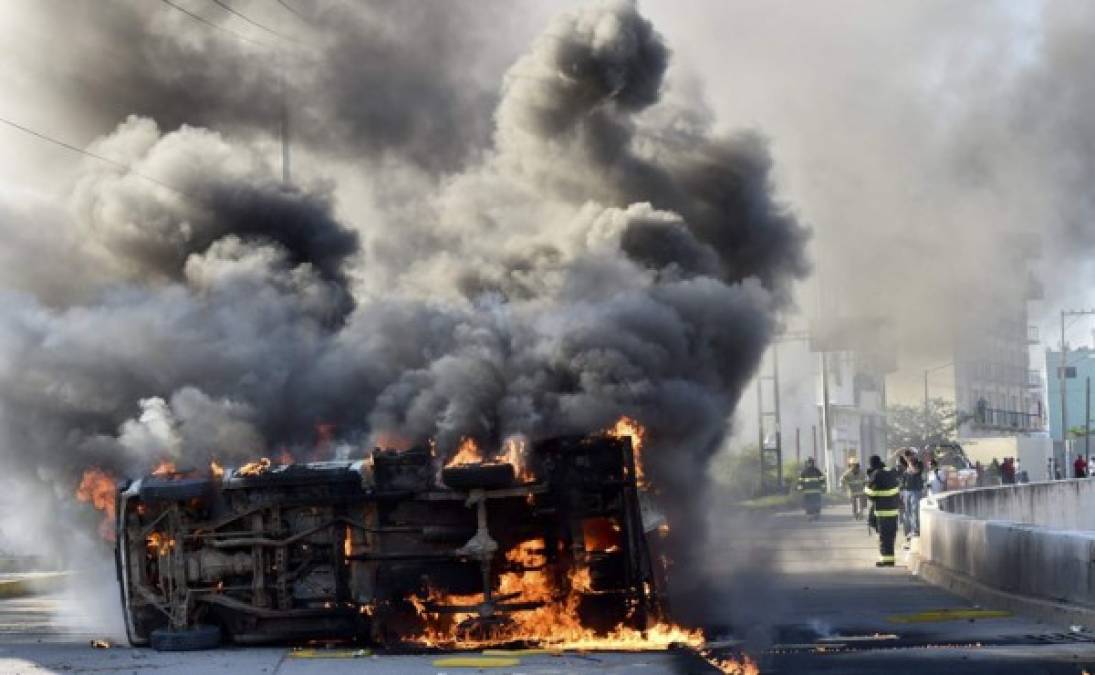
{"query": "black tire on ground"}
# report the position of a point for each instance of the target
(174, 489)
(487, 476)
(186, 640)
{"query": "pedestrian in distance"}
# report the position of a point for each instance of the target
(1007, 471)
(811, 484)
(1079, 467)
(882, 489)
(912, 483)
(992, 474)
(935, 482)
(854, 481)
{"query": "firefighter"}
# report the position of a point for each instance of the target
(811, 483)
(882, 489)
(853, 482)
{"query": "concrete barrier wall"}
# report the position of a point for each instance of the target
(1062, 504)
(1033, 540)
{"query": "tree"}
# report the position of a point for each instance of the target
(908, 425)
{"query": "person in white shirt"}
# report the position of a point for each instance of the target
(935, 481)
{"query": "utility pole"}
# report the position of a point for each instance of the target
(1062, 379)
(1087, 420)
(286, 174)
(826, 419)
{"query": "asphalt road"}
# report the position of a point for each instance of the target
(804, 597)
(809, 600)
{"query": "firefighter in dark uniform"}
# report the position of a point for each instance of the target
(811, 483)
(883, 488)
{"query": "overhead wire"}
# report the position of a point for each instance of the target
(94, 155)
(292, 9)
(235, 12)
(207, 22)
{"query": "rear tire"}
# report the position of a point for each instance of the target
(187, 640)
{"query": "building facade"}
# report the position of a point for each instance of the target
(1079, 369)
(996, 391)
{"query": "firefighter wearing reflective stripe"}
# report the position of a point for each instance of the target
(854, 482)
(882, 489)
(811, 483)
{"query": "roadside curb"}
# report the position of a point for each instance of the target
(35, 584)
(973, 590)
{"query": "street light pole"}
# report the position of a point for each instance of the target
(1062, 380)
(1087, 421)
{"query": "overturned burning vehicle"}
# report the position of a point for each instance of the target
(547, 543)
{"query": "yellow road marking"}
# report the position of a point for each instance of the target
(329, 653)
(476, 662)
(521, 652)
(935, 615)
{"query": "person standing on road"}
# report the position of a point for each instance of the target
(935, 483)
(853, 482)
(882, 489)
(1079, 467)
(912, 482)
(811, 483)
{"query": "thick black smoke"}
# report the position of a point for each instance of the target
(359, 79)
(594, 262)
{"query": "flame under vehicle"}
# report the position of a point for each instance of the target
(392, 551)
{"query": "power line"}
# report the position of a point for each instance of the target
(207, 22)
(101, 158)
(292, 9)
(235, 12)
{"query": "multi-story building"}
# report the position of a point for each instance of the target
(995, 390)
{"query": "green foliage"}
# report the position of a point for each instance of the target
(908, 425)
(1079, 432)
(738, 471)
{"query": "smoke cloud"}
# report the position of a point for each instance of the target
(600, 251)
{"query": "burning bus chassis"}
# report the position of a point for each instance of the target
(391, 551)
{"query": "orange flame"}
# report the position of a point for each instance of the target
(389, 440)
(513, 452)
(630, 428)
(159, 544)
(466, 453)
(164, 469)
(216, 469)
(98, 488)
(256, 468)
(746, 666)
(555, 623)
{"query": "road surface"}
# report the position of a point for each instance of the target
(815, 603)
(805, 598)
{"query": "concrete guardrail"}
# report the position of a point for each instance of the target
(1029, 548)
